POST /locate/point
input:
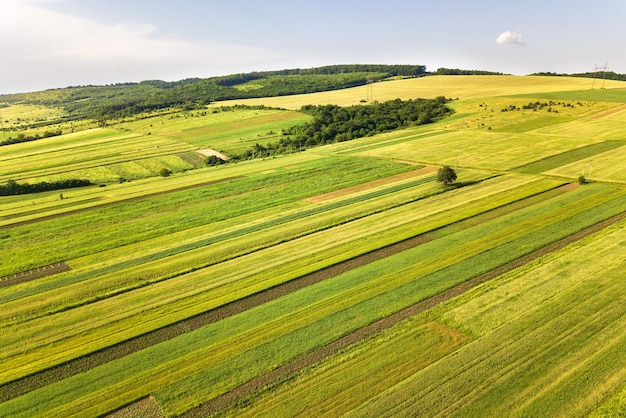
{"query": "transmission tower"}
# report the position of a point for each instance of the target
(596, 70)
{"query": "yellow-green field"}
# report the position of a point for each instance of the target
(462, 87)
(342, 280)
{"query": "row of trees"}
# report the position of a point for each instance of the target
(26, 138)
(14, 188)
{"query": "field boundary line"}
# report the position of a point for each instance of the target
(276, 376)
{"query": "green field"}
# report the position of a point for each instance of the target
(342, 280)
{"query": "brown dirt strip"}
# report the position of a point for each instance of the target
(36, 273)
(131, 199)
(247, 390)
(370, 185)
(607, 112)
(62, 371)
(145, 408)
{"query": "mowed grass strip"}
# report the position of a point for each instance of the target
(568, 157)
(292, 325)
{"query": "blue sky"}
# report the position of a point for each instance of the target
(58, 43)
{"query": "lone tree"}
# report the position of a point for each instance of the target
(446, 175)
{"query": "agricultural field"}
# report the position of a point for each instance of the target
(342, 280)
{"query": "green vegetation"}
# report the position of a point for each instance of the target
(338, 124)
(12, 187)
(446, 175)
(337, 280)
(121, 100)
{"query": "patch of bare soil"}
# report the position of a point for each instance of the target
(607, 112)
(208, 152)
(36, 273)
(370, 185)
(247, 390)
(569, 186)
(144, 408)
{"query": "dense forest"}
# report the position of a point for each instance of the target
(333, 123)
(120, 100)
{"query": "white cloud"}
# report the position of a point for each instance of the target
(510, 38)
(42, 48)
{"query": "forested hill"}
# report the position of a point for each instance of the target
(112, 101)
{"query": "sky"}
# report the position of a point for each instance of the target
(58, 43)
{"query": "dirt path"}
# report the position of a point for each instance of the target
(274, 377)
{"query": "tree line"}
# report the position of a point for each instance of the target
(14, 188)
(26, 138)
(332, 123)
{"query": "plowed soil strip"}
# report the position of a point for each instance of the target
(29, 383)
(248, 389)
(33, 274)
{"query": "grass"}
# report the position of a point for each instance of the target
(545, 339)
(229, 131)
(569, 309)
(463, 87)
(288, 261)
(376, 289)
(568, 157)
(125, 223)
(483, 150)
(607, 166)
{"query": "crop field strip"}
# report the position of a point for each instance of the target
(91, 360)
(569, 157)
(137, 189)
(571, 310)
(196, 281)
(479, 207)
(296, 397)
